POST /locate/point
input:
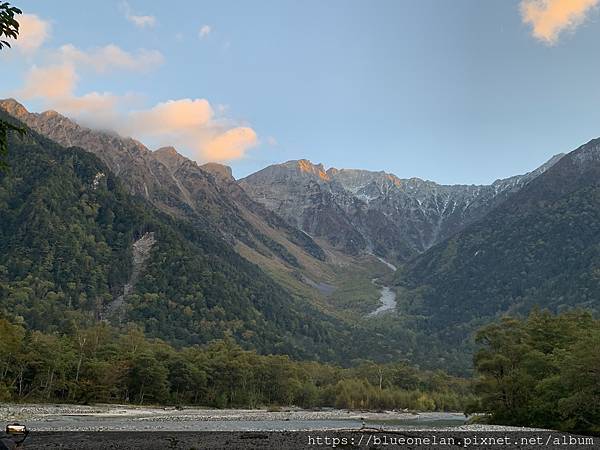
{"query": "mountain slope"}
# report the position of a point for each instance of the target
(70, 234)
(181, 188)
(76, 246)
(361, 211)
(540, 247)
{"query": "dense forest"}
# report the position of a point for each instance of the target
(543, 371)
(101, 364)
(66, 235)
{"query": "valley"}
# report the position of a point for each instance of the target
(345, 243)
(355, 273)
(257, 224)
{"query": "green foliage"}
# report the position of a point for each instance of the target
(5, 128)
(9, 26)
(541, 372)
(102, 364)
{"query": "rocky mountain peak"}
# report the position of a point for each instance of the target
(220, 171)
(376, 209)
(587, 153)
(14, 108)
(169, 157)
(305, 167)
(167, 151)
(51, 113)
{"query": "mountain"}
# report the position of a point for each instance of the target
(540, 248)
(74, 242)
(206, 196)
(284, 259)
(79, 245)
(361, 211)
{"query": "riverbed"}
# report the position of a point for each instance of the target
(387, 298)
(131, 418)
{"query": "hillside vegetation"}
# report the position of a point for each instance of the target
(66, 236)
(541, 372)
(100, 364)
(541, 247)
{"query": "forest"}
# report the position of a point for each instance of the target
(103, 364)
(543, 371)
(67, 229)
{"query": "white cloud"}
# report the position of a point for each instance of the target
(140, 21)
(191, 124)
(230, 144)
(202, 132)
(549, 18)
(104, 59)
(53, 82)
(33, 32)
(204, 31)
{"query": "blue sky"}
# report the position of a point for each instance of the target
(460, 91)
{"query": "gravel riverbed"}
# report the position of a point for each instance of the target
(49, 417)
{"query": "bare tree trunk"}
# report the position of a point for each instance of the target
(21, 370)
(49, 390)
(142, 394)
(81, 340)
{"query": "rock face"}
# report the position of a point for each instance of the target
(205, 195)
(140, 253)
(279, 208)
(219, 171)
(363, 211)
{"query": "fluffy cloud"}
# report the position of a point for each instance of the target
(49, 82)
(232, 144)
(139, 21)
(33, 32)
(191, 125)
(142, 21)
(549, 18)
(204, 31)
(110, 57)
(174, 116)
(55, 86)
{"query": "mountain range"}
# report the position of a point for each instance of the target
(291, 258)
(363, 211)
(540, 248)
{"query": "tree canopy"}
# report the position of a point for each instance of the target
(9, 29)
(543, 371)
